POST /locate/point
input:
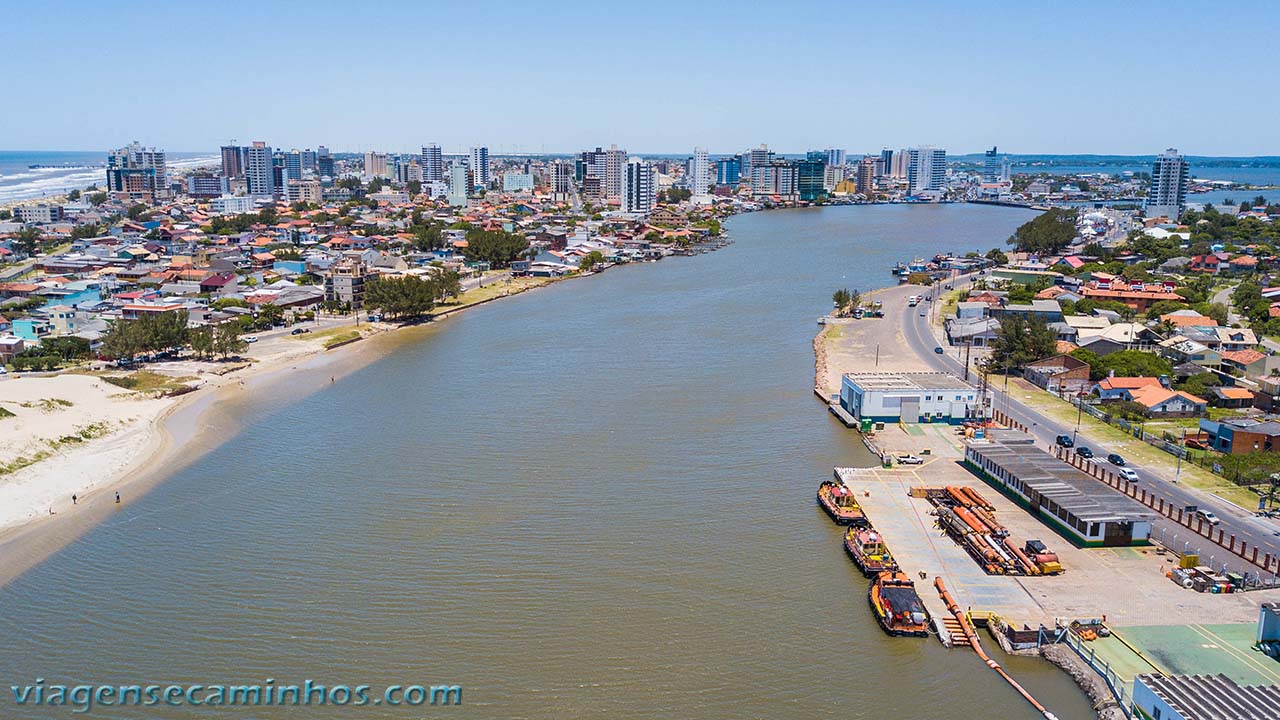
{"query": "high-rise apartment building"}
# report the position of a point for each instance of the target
(615, 169)
(926, 170)
(835, 157)
(991, 166)
(811, 176)
(865, 180)
(309, 160)
(293, 164)
(729, 170)
(137, 172)
(458, 184)
(1168, 193)
(375, 166)
(699, 173)
(886, 162)
(561, 177)
(232, 161)
(480, 167)
(324, 162)
(432, 163)
(757, 157)
(775, 178)
(639, 192)
(258, 174)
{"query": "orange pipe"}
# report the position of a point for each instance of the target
(960, 498)
(970, 520)
(972, 638)
(978, 499)
(1030, 567)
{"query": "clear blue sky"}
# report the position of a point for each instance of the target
(1109, 77)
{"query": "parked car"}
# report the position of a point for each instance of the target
(922, 313)
(251, 338)
(1115, 459)
(1084, 452)
(938, 350)
(910, 459)
(1065, 441)
(1208, 516)
(299, 331)
(1129, 474)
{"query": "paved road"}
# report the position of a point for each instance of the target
(1258, 532)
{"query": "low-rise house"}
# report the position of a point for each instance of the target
(1058, 374)
(1047, 310)
(1159, 401)
(1122, 388)
(1188, 318)
(1240, 435)
(1235, 339)
(1250, 362)
(1117, 337)
(1210, 264)
(1180, 349)
(1230, 397)
(11, 345)
(971, 309)
(978, 332)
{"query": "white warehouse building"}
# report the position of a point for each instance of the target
(910, 397)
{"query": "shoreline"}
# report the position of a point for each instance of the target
(196, 423)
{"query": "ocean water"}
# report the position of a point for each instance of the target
(64, 170)
(1260, 170)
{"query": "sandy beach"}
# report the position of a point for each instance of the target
(77, 434)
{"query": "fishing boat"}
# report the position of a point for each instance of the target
(867, 549)
(894, 600)
(840, 504)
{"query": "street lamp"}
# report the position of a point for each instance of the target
(1079, 415)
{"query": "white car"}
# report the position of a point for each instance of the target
(1208, 516)
(250, 338)
(1128, 474)
(910, 460)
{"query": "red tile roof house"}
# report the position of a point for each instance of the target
(1162, 402)
(1243, 263)
(1249, 362)
(220, 284)
(1211, 264)
(1123, 388)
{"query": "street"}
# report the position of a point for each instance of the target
(1257, 532)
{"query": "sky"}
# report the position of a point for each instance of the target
(654, 77)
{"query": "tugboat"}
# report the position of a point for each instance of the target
(894, 600)
(840, 504)
(867, 549)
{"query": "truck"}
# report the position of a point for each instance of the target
(1044, 559)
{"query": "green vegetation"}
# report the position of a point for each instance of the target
(1047, 233)
(144, 381)
(845, 301)
(126, 339)
(48, 405)
(1126, 363)
(232, 224)
(410, 296)
(590, 260)
(6, 413)
(1019, 341)
(497, 247)
(340, 338)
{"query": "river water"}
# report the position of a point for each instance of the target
(591, 500)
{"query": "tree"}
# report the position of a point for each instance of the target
(1019, 341)
(997, 256)
(202, 341)
(227, 340)
(74, 195)
(590, 260)
(1164, 307)
(401, 297)
(414, 187)
(840, 301)
(269, 314)
(1134, 363)
(497, 247)
(97, 198)
(88, 230)
(427, 237)
(1047, 233)
(448, 284)
(136, 212)
(28, 240)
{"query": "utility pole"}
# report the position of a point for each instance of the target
(1178, 473)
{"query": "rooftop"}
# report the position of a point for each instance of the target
(1213, 697)
(906, 381)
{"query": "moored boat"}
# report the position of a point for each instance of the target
(899, 609)
(867, 549)
(838, 500)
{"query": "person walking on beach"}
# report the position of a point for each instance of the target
(73, 499)
(117, 498)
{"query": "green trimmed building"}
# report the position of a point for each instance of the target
(1079, 507)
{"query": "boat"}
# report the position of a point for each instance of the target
(867, 549)
(894, 600)
(840, 504)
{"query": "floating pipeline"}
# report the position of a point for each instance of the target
(972, 638)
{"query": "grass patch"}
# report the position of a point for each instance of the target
(47, 405)
(339, 338)
(495, 289)
(5, 413)
(1126, 444)
(145, 381)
